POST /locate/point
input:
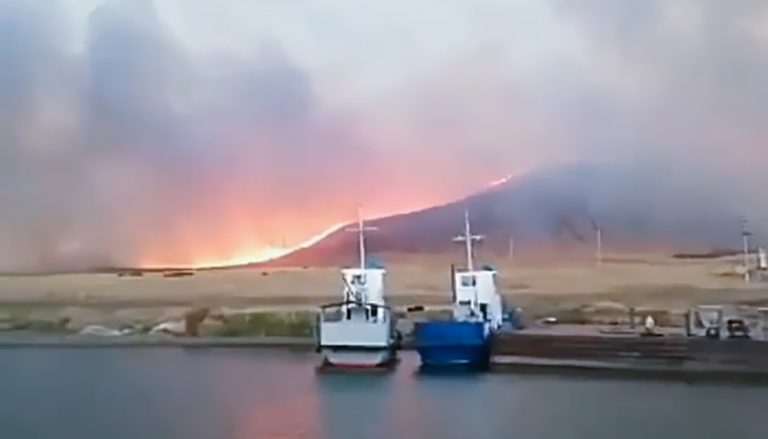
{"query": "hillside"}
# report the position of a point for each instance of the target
(553, 212)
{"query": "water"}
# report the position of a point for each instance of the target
(218, 393)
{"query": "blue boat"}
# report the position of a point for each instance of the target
(464, 341)
(453, 344)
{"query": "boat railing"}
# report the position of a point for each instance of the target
(339, 311)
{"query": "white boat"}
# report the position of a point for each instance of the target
(359, 331)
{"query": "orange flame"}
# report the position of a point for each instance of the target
(500, 181)
(255, 253)
(251, 256)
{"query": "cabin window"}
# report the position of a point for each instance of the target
(468, 281)
(357, 279)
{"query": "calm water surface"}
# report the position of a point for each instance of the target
(218, 393)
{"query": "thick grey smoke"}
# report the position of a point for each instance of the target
(668, 97)
(131, 144)
(684, 98)
(122, 142)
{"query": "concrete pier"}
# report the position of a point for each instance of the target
(668, 354)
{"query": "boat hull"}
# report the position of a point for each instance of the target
(358, 358)
(453, 345)
(357, 336)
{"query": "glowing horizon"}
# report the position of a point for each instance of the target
(269, 253)
(253, 256)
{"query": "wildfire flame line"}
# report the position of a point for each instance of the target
(252, 257)
(271, 253)
(500, 181)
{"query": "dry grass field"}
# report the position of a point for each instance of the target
(653, 282)
(409, 280)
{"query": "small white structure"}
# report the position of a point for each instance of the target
(103, 331)
(476, 294)
(706, 321)
(722, 322)
(178, 327)
(650, 324)
(762, 260)
(359, 331)
(762, 313)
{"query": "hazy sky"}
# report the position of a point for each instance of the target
(183, 131)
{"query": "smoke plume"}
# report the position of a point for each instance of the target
(149, 132)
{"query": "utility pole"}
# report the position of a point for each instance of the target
(599, 244)
(745, 234)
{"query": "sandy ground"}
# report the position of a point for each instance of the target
(538, 287)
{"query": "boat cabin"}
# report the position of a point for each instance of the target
(364, 285)
(362, 318)
(476, 296)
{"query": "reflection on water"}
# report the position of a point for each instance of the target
(178, 393)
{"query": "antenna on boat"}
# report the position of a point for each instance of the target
(361, 229)
(468, 238)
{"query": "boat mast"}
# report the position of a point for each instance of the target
(361, 229)
(361, 238)
(468, 240)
